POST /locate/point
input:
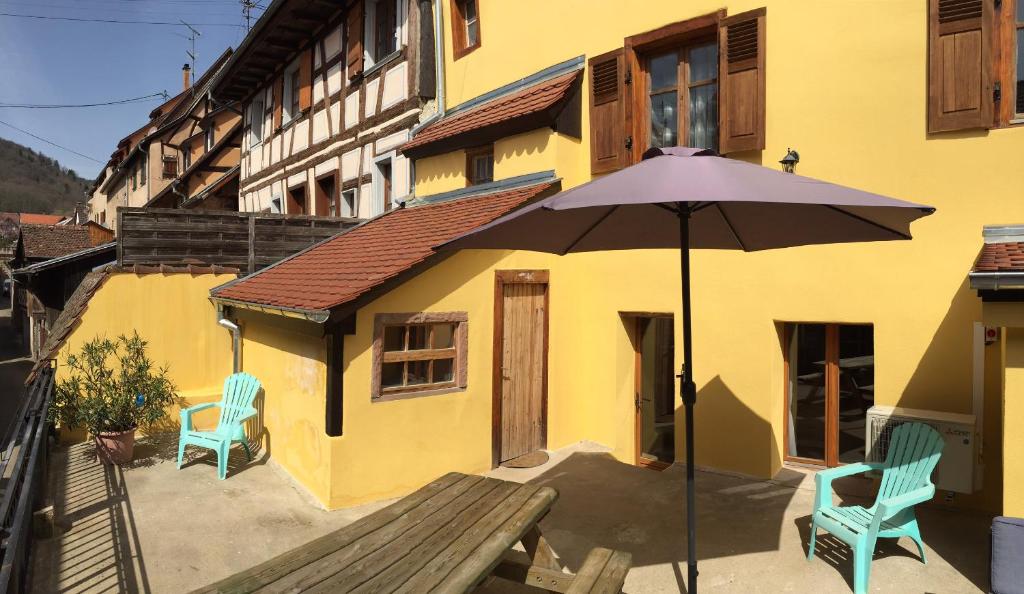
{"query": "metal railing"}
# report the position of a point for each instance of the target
(23, 475)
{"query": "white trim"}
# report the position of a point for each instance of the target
(376, 179)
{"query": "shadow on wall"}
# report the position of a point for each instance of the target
(728, 434)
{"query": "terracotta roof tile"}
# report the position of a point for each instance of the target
(521, 103)
(348, 265)
(51, 241)
(1001, 257)
(40, 219)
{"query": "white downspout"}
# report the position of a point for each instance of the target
(236, 339)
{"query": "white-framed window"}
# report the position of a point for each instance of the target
(256, 117)
(209, 139)
(290, 101)
(349, 203)
(381, 29)
(144, 163)
(186, 156)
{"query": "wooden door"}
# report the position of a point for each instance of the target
(521, 363)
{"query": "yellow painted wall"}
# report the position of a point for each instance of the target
(849, 91)
(173, 313)
(289, 361)
(845, 88)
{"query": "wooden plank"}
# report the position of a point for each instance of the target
(614, 574)
(346, 563)
(431, 574)
(539, 550)
(486, 557)
(591, 570)
(449, 532)
(252, 245)
(537, 577)
(273, 569)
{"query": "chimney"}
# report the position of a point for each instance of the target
(185, 79)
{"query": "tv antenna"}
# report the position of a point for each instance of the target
(192, 40)
(247, 8)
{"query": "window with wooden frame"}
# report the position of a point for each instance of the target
(480, 165)
(142, 170)
(209, 137)
(381, 29)
(465, 26)
(697, 83)
(186, 156)
(975, 64)
(418, 354)
(170, 170)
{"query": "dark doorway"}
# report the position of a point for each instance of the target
(655, 389)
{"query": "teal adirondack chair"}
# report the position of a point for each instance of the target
(240, 390)
(914, 451)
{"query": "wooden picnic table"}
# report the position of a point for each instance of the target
(449, 536)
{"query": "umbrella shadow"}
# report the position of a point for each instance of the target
(607, 503)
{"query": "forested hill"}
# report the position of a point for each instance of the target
(33, 182)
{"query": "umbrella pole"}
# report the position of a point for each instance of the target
(688, 392)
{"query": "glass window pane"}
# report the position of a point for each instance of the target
(1020, 11)
(1020, 60)
(704, 63)
(806, 418)
(443, 335)
(391, 375)
(394, 338)
(856, 389)
(417, 337)
(472, 32)
(417, 373)
(443, 370)
(469, 10)
(664, 119)
(664, 70)
(703, 131)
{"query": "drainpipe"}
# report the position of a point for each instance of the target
(174, 190)
(236, 339)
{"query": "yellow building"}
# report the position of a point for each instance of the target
(386, 362)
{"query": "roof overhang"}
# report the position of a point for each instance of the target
(318, 316)
(65, 259)
(506, 111)
(285, 28)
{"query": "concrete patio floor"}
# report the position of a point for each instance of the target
(151, 528)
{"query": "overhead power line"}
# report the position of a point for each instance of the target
(119, 22)
(162, 95)
(50, 142)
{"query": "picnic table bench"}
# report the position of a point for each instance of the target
(449, 536)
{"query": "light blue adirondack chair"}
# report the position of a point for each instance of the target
(914, 450)
(240, 390)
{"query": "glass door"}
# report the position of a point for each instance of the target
(655, 392)
(829, 388)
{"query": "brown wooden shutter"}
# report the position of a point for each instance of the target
(354, 31)
(305, 80)
(278, 96)
(608, 139)
(959, 64)
(741, 82)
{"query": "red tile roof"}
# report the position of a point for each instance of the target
(40, 219)
(352, 263)
(528, 101)
(1001, 257)
(51, 241)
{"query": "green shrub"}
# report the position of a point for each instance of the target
(112, 386)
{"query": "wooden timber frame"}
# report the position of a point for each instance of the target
(247, 241)
(501, 278)
(831, 385)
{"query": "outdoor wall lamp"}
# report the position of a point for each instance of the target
(790, 160)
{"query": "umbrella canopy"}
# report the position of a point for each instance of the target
(686, 198)
(732, 204)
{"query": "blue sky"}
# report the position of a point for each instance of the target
(61, 62)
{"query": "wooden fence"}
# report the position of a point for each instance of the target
(247, 241)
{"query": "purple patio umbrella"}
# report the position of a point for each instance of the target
(687, 198)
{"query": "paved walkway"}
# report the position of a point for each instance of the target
(152, 528)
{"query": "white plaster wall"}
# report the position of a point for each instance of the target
(396, 85)
(351, 110)
(372, 88)
(350, 164)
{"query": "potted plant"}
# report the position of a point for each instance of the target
(111, 389)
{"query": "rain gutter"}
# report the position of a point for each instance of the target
(317, 316)
(994, 281)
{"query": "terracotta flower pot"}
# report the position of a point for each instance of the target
(115, 447)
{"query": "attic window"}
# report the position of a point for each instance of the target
(465, 26)
(381, 30)
(170, 170)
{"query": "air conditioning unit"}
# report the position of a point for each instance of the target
(957, 470)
